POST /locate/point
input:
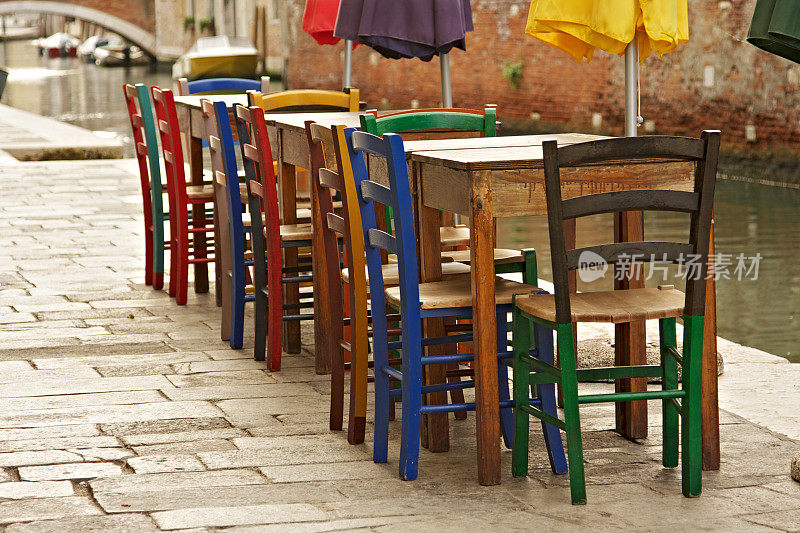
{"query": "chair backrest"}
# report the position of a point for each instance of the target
(703, 152)
(338, 177)
(306, 100)
(453, 120)
(171, 151)
(136, 114)
(397, 196)
(262, 186)
(222, 85)
(224, 168)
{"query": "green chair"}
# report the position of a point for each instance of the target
(560, 310)
(441, 123)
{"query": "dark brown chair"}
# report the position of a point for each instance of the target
(560, 310)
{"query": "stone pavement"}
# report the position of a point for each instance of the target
(120, 411)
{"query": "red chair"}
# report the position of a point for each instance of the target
(272, 241)
(188, 232)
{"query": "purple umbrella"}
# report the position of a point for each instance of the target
(408, 28)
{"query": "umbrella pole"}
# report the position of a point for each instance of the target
(631, 88)
(447, 93)
(348, 63)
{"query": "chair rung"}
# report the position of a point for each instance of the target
(541, 415)
(541, 366)
(542, 378)
(296, 279)
(631, 396)
(447, 408)
(393, 373)
(439, 387)
(201, 260)
(297, 317)
(299, 305)
(674, 353)
(677, 404)
(619, 372)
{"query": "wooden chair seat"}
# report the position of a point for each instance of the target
(611, 306)
(454, 235)
(457, 292)
(391, 276)
(295, 232)
(197, 192)
(501, 256)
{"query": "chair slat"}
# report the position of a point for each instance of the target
(659, 200)
(365, 142)
(647, 147)
(382, 240)
(251, 153)
(376, 192)
(330, 179)
(336, 223)
(632, 251)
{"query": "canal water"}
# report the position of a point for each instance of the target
(751, 219)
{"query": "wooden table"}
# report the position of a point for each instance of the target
(485, 179)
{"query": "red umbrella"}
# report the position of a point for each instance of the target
(319, 21)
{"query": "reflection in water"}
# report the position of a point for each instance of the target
(750, 218)
(69, 90)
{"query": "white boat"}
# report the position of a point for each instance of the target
(87, 47)
(115, 56)
(218, 57)
(58, 45)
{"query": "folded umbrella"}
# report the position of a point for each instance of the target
(578, 27)
(776, 28)
(319, 20)
(631, 27)
(408, 29)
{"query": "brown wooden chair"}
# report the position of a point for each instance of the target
(560, 310)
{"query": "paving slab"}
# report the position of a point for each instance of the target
(69, 471)
(233, 516)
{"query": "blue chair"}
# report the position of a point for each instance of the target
(222, 85)
(449, 298)
(228, 192)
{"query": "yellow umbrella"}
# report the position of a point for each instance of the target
(578, 27)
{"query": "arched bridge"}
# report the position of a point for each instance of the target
(132, 19)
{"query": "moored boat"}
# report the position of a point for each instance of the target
(115, 56)
(58, 45)
(220, 56)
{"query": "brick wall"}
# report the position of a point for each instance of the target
(716, 80)
(138, 12)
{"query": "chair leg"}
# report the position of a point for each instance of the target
(173, 265)
(543, 338)
(382, 402)
(412, 400)
(337, 389)
(274, 318)
(224, 290)
(158, 240)
(148, 256)
(183, 270)
(506, 414)
(569, 384)
(237, 312)
(669, 381)
(519, 454)
(691, 452)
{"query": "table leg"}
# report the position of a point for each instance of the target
(291, 291)
(629, 348)
(438, 429)
(484, 326)
(198, 213)
(710, 401)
